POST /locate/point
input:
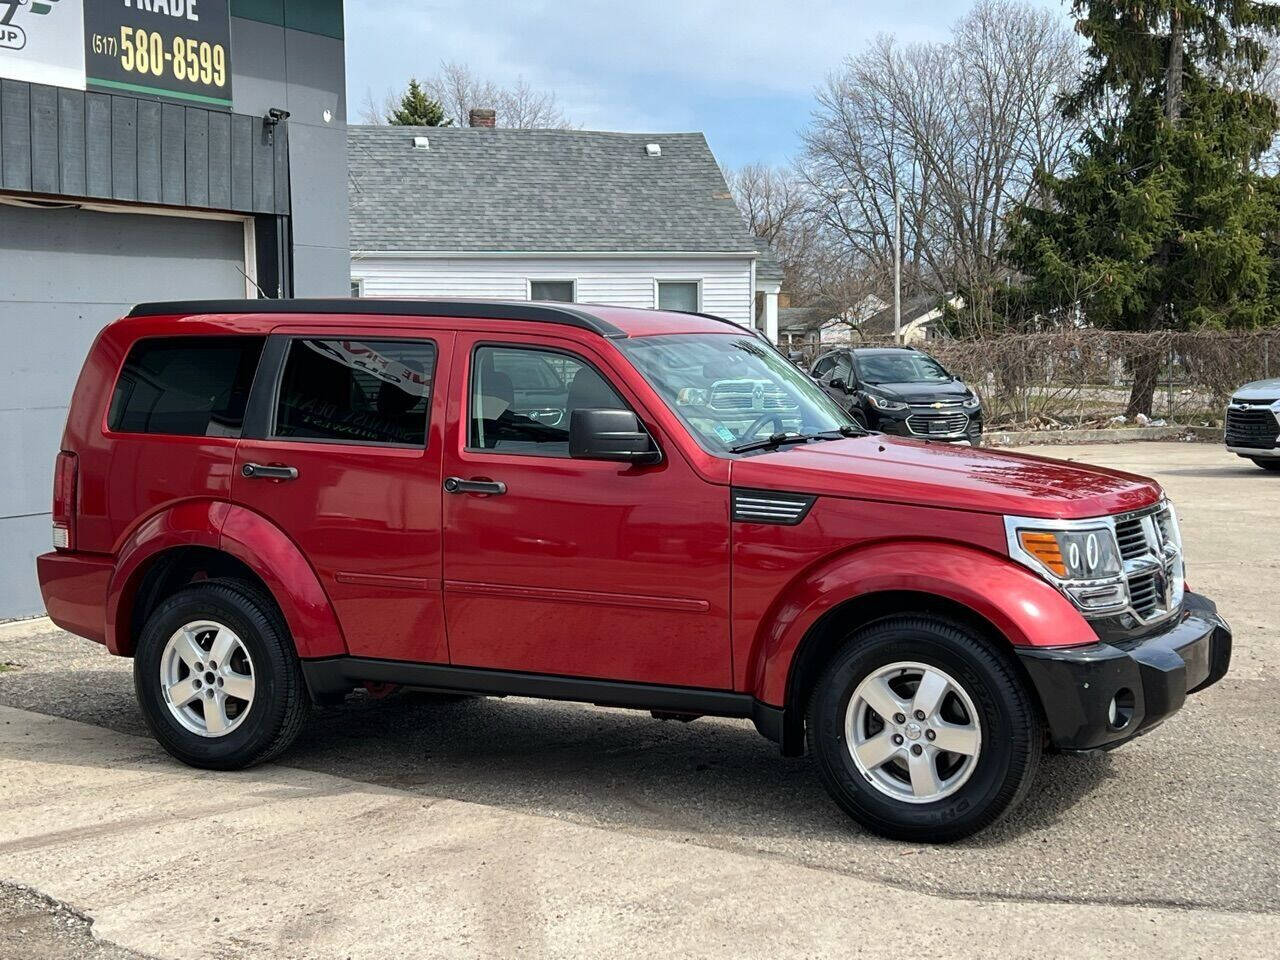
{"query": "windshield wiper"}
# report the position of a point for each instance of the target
(779, 439)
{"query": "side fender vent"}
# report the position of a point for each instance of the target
(769, 506)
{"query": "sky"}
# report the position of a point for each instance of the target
(741, 71)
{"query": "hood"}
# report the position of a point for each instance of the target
(901, 470)
(1259, 390)
(919, 392)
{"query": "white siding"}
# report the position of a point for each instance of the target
(726, 283)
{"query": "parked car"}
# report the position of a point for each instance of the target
(900, 390)
(269, 503)
(1253, 423)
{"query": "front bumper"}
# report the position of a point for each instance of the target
(1098, 696)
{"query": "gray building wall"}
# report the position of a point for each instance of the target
(304, 73)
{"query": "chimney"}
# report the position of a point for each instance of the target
(483, 118)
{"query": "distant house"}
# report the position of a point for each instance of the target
(920, 318)
(642, 220)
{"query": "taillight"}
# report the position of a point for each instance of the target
(64, 501)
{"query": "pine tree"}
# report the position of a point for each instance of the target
(1163, 220)
(418, 110)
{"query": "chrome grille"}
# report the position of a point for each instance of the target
(937, 424)
(1131, 538)
(1152, 559)
(748, 396)
(769, 506)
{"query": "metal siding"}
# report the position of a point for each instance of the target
(280, 173)
(241, 162)
(264, 171)
(44, 138)
(173, 139)
(149, 151)
(97, 144)
(197, 157)
(71, 166)
(124, 148)
(220, 160)
(15, 135)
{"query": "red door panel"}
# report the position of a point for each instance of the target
(584, 568)
(367, 517)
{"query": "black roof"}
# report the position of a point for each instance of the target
(569, 316)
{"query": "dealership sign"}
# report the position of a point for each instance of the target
(167, 49)
(42, 41)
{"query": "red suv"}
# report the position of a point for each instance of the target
(269, 503)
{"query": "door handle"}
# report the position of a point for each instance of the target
(458, 485)
(257, 471)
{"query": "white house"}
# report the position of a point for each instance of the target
(641, 220)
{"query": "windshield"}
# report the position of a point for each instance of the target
(732, 390)
(900, 368)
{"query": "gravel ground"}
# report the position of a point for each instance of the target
(33, 927)
(1186, 816)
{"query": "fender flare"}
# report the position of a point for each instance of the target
(1024, 608)
(249, 538)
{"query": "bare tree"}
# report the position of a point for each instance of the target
(957, 130)
(774, 202)
(519, 105)
(458, 88)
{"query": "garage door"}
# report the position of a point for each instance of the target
(64, 273)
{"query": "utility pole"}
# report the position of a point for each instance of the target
(897, 266)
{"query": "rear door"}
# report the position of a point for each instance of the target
(342, 452)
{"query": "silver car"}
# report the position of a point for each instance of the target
(1253, 423)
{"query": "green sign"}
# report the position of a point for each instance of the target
(169, 49)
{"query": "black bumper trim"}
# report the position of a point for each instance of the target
(1076, 685)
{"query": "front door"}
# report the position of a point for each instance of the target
(574, 567)
(345, 459)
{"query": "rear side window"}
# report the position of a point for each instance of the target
(185, 386)
(357, 391)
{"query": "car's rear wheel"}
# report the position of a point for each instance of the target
(1267, 464)
(923, 730)
(217, 677)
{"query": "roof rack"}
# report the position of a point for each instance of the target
(463, 309)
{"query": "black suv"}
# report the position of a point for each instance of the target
(900, 390)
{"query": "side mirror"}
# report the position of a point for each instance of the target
(838, 384)
(610, 435)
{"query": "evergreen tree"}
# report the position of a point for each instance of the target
(418, 110)
(1163, 221)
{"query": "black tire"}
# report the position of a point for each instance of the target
(1011, 729)
(280, 702)
(1272, 465)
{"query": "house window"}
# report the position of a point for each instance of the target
(678, 295)
(357, 288)
(557, 291)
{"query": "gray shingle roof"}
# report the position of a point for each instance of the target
(511, 190)
(803, 318)
(767, 266)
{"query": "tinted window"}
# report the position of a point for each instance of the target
(357, 391)
(843, 369)
(822, 369)
(189, 386)
(522, 400)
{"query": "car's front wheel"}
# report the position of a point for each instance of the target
(923, 731)
(217, 677)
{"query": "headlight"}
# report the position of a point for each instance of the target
(1082, 560)
(880, 403)
(972, 402)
